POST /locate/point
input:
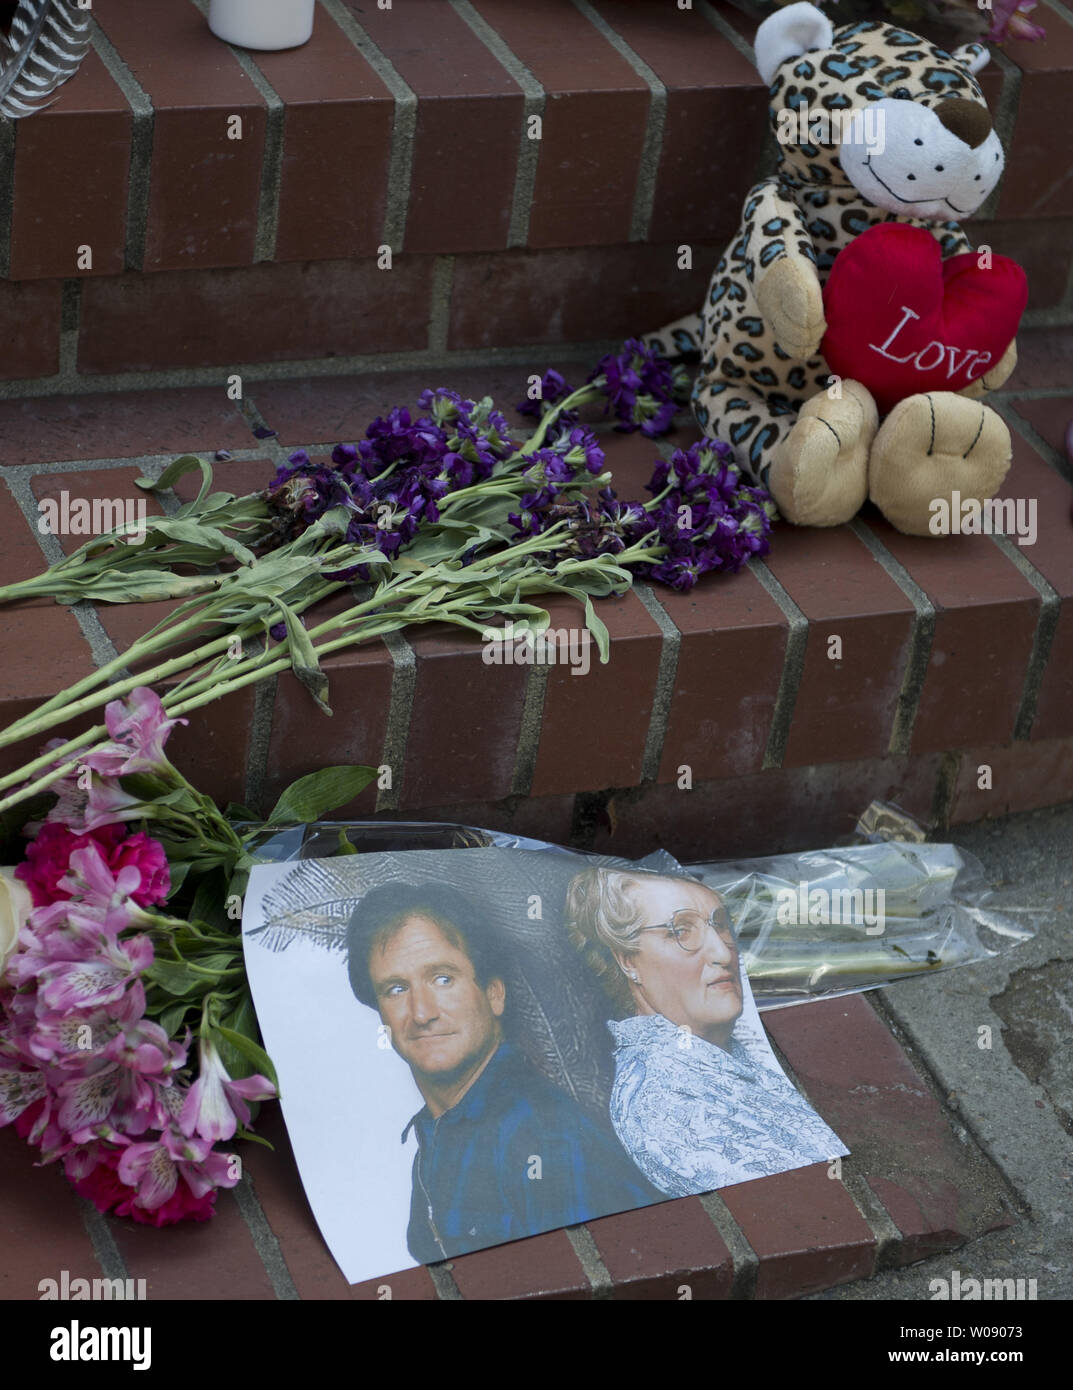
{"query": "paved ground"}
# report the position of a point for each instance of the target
(1016, 1100)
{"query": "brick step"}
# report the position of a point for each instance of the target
(951, 653)
(209, 251)
(910, 1188)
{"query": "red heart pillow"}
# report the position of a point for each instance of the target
(900, 319)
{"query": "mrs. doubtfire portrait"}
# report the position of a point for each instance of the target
(697, 1101)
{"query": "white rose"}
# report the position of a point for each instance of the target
(15, 905)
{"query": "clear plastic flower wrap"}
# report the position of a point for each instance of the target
(813, 924)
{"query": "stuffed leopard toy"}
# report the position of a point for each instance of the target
(762, 386)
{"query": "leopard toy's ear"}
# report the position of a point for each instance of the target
(793, 30)
(972, 56)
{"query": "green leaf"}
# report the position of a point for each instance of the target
(250, 1050)
(234, 812)
(304, 662)
(312, 797)
(176, 978)
(251, 1138)
(175, 470)
(345, 847)
(598, 628)
(171, 1020)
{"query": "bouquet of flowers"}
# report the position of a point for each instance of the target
(443, 518)
(121, 975)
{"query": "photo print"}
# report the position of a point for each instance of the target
(478, 1045)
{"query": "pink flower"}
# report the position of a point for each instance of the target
(155, 1168)
(49, 862)
(215, 1105)
(19, 1089)
(86, 809)
(90, 984)
(139, 730)
(1009, 22)
(49, 853)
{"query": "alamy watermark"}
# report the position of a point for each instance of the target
(998, 516)
(79, 516)
(860, 125)
(562, 646)
(823, 907)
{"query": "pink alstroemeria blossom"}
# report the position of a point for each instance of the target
(89, 984)
(139, 728)
(1008, 21)
(19, 1089)
(216, 1105)
(154, 1169)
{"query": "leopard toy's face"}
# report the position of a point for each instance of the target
(883, 111)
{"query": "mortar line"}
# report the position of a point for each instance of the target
(534, 105)
(70, 313)
(403, 129)
(670, 649)
(175, 378)
(403, 685)
(271, 153)
(745, 1260)
(652, 146)
(590, 1260)
(716, 20)
(793, 665)
(1042, 639)
(108, 1254)
(443, 1281)
(921, 638)
(532, 723)
(1028, 432)
(439, 319)
(260, 740)
(141, 146)
(264, 1240)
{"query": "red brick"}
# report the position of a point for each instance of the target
(1052, 555)
(715, 119)
(1044, 359)
(729, 666)
(195, 1260)
(336, 147)
(573, 296)
(1051, 417)
(542, 1266)
(1035, 183)
(845, 708)
(541, 818)
(304, 740)
(469, 126)
(204, 187)
(770, 812)
(267, 313)
(96, 485)
(52, 429)
(805, 1230)
(30, 316)
(466, 717)
(21, 557)
(279, 1190)
(72, 163)
(331, 410)
(1024, 776)
(985, 620)
(858, 1077)
(593, 128)
(41, 1231)
(594, 726)
(1043, 247)
(652, 1252)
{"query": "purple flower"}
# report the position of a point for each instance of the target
(553, 388)
(642, 388)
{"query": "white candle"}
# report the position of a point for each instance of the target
(264, 24)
